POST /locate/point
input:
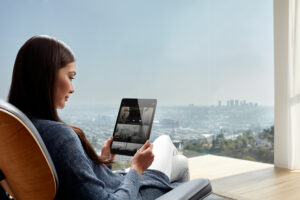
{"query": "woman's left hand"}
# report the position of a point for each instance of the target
(105, 151)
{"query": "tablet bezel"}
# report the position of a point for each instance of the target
(133, 102)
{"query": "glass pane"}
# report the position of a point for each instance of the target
(208, 63)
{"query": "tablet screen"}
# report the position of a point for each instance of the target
(133, 125)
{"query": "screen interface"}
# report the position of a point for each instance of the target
(133, 126)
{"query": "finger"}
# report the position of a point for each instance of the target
(145, 146)
(151, 146)
(109, 141)
(148, 150)
(105, 143)
(149, 153)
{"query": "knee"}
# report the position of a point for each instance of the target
(164, 138)
(163, 141)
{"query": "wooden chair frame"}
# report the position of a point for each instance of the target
(24, 159)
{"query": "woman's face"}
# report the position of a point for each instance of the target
(63, 85)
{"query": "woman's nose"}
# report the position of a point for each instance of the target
(72, 90)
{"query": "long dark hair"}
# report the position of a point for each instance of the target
(33, 82)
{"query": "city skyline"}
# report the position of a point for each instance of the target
(179, 122)
(237, 102)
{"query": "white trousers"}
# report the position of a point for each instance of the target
(168, 161)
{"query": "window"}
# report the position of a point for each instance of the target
(209, 64)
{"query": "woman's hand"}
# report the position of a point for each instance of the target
(105, 151)
(143, 158)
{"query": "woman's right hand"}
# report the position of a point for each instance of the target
(143, 158)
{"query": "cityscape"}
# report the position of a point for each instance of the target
(184, 124)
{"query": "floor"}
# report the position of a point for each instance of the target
(246, 180)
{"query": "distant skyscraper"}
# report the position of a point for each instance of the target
(236, 103)
(231, 103)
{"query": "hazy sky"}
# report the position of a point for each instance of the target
(180, 52)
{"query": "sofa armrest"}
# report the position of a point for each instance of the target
(192, 190)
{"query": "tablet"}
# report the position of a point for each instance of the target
(133, 125)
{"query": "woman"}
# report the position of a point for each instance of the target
(42, 83)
